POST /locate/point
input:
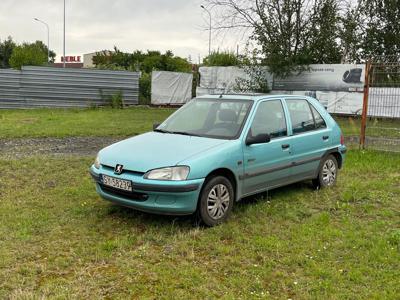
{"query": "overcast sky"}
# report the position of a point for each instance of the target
(93, 25)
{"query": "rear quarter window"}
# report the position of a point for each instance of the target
(319, 120)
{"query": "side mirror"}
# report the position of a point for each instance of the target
(155, 125)
(258, 139)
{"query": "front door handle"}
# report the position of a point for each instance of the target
(285, 146)
(325, 137)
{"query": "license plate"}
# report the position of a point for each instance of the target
(121, 184)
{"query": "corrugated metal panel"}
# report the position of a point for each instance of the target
(53, 87)
(9, 88)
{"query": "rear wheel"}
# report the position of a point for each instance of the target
(327, 174)
(216, 201)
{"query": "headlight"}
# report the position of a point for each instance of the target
(170, 173)
(97, 162)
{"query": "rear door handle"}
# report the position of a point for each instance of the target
(285, 146)
(325, 137)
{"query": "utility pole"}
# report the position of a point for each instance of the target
(64, 39)
(209, 33)
(48, 38)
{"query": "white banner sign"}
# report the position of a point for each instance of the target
(332, 77)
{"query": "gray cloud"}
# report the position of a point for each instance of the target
(100, 24)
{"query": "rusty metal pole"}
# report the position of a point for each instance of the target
(365, 104)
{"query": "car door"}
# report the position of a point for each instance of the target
(310, 138)
(268, 164)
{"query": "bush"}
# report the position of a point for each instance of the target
(117, 100)
(257, 81)
(114, 100)
(221, 59)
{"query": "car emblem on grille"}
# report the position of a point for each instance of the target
(118, 169)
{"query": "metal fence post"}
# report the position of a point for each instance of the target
(365, 104)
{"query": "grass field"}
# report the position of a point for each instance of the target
(351, 126)
(79, 122)
(127, 122)
(59, 240)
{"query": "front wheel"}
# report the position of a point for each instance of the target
(216, 201)
(327, 174)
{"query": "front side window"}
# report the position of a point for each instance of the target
(300, 115)
(270, 119)
(215, 118)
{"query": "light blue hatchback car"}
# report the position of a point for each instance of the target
(215, 150)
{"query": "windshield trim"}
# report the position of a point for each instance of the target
(251, 103)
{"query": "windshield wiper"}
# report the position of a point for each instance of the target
(184, 133)
(175, 132)
(161, 130)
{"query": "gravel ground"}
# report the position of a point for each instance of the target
(80, 146)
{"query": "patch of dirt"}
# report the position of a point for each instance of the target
(82, 146)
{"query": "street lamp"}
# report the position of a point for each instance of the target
(209, 34)
(64, 39)
(48, 38)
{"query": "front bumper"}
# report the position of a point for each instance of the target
(161, 197)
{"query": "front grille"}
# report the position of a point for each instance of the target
(111, 169)
(125, 194)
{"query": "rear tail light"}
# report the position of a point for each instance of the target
(341, 139)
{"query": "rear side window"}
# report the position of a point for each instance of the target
(269, 118)
(319, 121)
(301, 115)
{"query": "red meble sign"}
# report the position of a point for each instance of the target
(71, 59)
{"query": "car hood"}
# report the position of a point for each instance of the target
(155, 150)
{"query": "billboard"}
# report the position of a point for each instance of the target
(320, 77)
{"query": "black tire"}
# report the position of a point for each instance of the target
(327, 173)
(216, 190)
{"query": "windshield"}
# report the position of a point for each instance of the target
(215, 118)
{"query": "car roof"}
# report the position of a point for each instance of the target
(253, 97)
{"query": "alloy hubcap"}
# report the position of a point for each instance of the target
(329, 172)
(218, 201)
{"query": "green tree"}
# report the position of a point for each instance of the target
(43, 47)
(6, 48)
(289, 33)
(324, 36)
(381, 35)
(34, 54)
(140, 61)
(351, 34)
(114, 59)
